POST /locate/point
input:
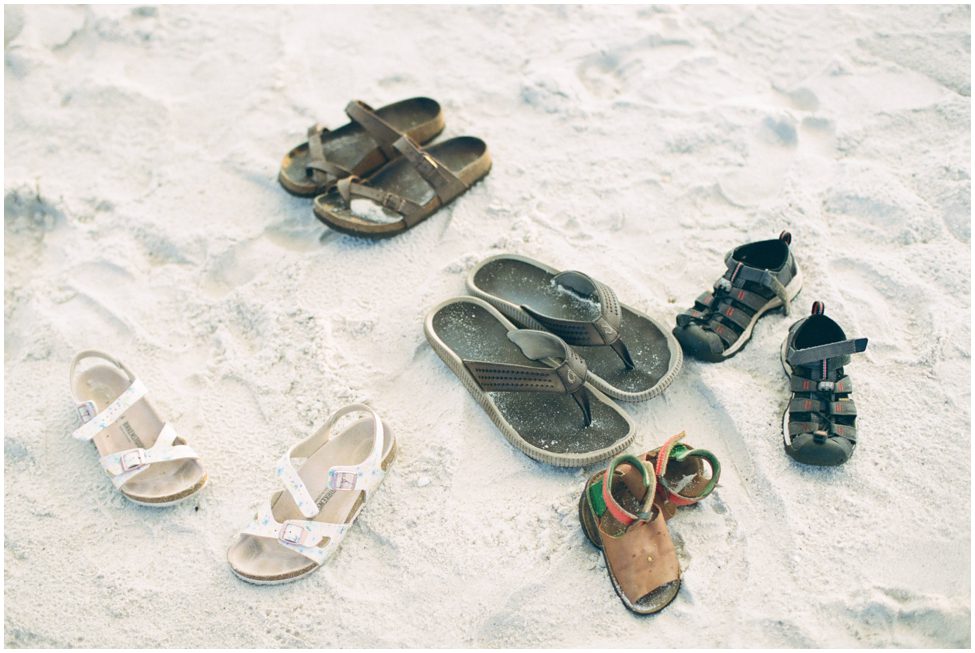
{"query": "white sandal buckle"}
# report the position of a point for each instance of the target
(87, 411)
(132, 460)
(342, 480)
(291, 534)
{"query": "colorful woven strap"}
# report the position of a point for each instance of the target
(672, 449)
(619, 513)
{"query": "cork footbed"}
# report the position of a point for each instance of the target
(265, 560)
(351, 147)
(551, 425)
(139, 426)
(514, 282)
(465, 156)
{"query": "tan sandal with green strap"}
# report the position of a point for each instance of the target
(407, 191)
(359, 147)
(632, 533)
(678, 478)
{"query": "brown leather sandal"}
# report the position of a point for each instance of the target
(619, 516)
(359, 147)
(408, 190)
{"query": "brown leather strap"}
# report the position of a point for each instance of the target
(318, 167)
(445, 183)
(315, 150)
(381, 131)
(352, 187)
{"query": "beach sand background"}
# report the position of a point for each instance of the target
(638, 144)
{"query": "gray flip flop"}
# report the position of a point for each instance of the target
(530, 383)
(631, 356)
(819, 423)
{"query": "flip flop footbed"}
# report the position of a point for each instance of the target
(547, 427)
(353, 148)
(162, 483)
(510, 282)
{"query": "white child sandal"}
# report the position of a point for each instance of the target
(148, 462)
(326, 482)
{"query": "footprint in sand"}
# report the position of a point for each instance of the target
(608, 72)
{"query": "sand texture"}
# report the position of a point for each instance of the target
(142, 216)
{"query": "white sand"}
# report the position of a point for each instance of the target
(142, 216)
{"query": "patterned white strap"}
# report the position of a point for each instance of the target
(123, 465)
(304, 536)
(94, 425)
(296, 487)
(297, 534)
(366, 476)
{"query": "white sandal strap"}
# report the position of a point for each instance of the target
(94, 353)
(123, 465)
(297, 534)
(95, 424)
(366, 476)
(304, 536)
(295, 486)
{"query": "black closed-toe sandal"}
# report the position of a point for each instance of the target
(819, 424)
(761, 277)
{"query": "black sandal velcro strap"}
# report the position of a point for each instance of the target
(810, 355)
